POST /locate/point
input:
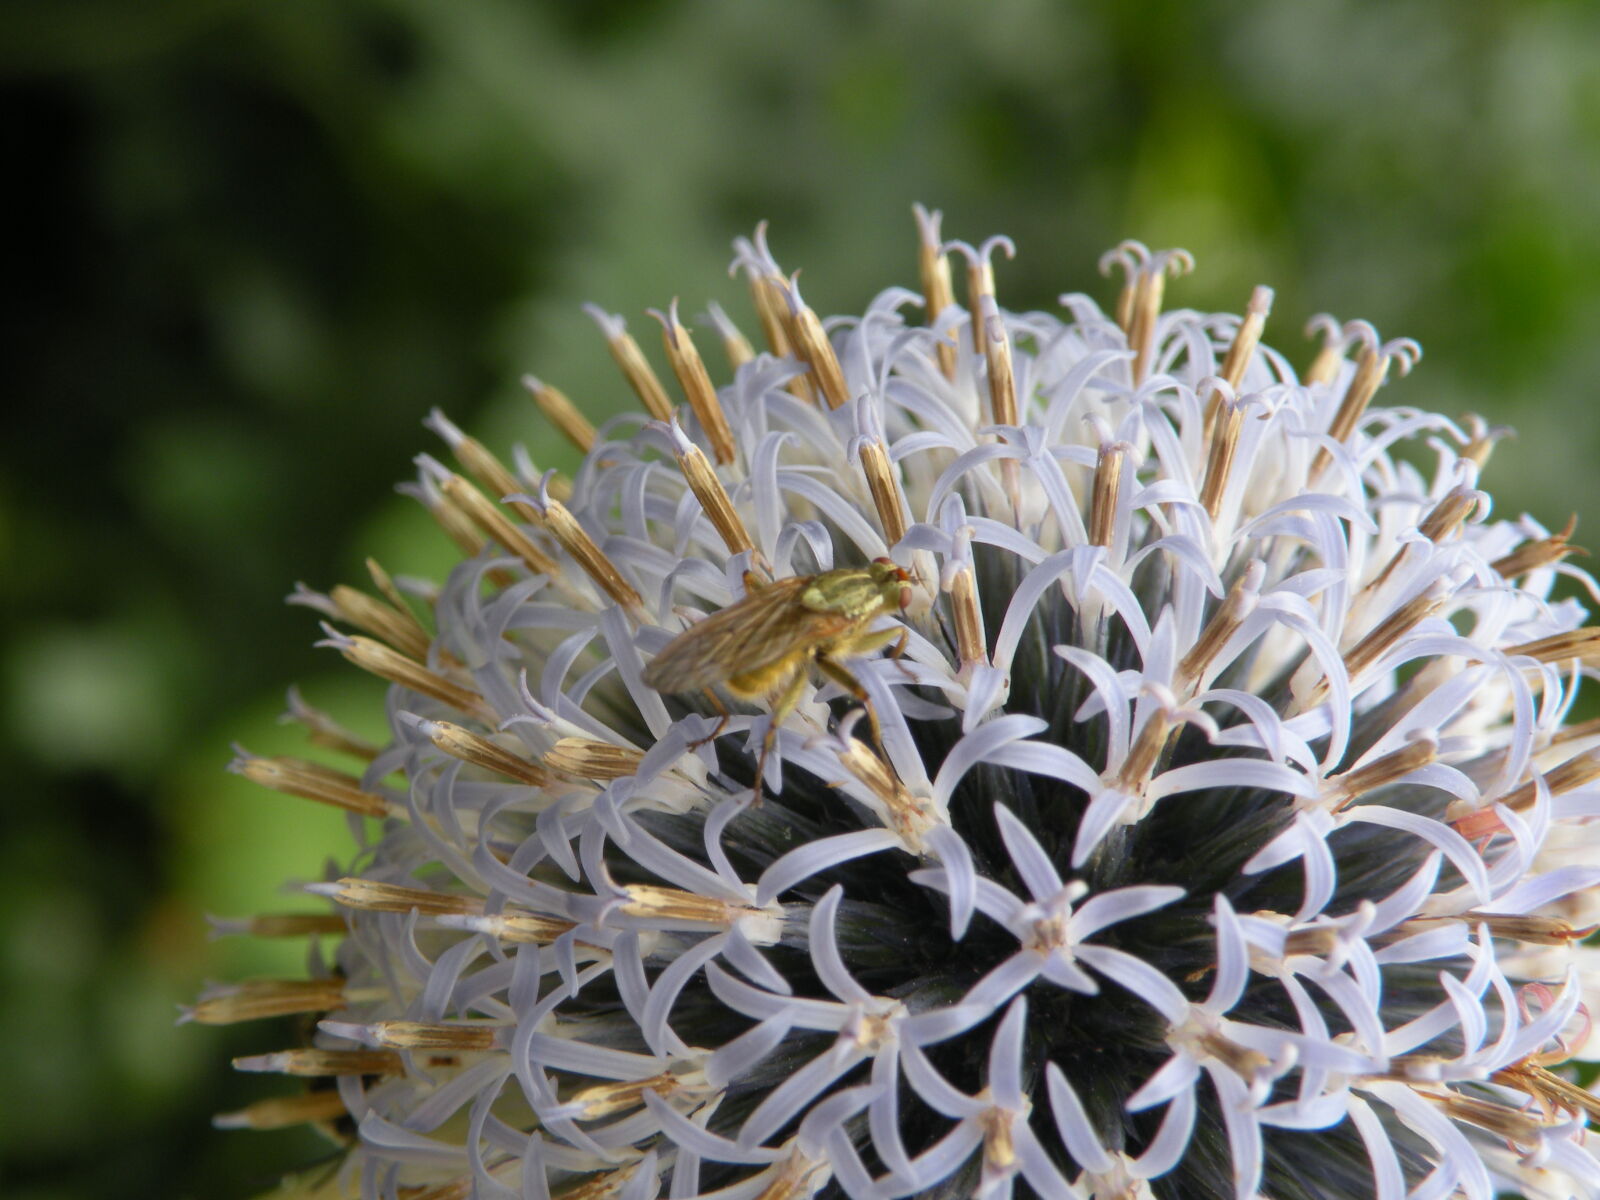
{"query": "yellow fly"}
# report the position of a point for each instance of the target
(763, 646)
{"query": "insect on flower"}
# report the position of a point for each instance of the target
(763, 646)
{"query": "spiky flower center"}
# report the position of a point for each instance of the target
(1000, 755)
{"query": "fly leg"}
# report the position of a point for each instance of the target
(722, 720)
(787, 698)
(898, 651)
(840, 675)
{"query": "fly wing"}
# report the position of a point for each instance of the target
(756, 632)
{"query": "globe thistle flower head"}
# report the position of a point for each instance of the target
(966, 753)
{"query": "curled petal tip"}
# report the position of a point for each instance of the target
(611, 324)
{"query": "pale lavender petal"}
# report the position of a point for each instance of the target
(1027, 856)
(1080, 1138)
(825, 951)
(1104, 811)
(809, 859)
(1454, 847)
(1005, 1056)
(933, 1089)
(1172, 1139)
(960, 879)
(1176, 1075)
(1233, 959)
(1121, 904)
(1244, 1131)
(1140, 978)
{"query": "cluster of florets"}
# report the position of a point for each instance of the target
(1113, 765)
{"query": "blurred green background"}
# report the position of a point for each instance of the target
(253, 244)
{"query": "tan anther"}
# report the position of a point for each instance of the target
(696, 383)
(735, 345)
(938, 294)
(909, 816)
(1558, 1095)
(1243, 1061)
(258, 998)
(1243, 347)
(999, 1145)
(313, 1063)
(371, 895)
(457, 526)
(1573, 774)
(1372, 368)
(1449, 515)
(1225, 430)
(496, 525)
(323, 730)
(387, 588)
(1320, 940)
(980, 292)
(1325, 366)
(632, 363)
(433, 1035)
(649, 902)
(1443, 521)
(1577, 732)
(480, 462)
(1107, 488)
(1483, 439)
(1396, 625)
(1145, 752)
(379, 660)
(285, 925)
(1002, 390)
(1148, 294)
(519, 928)
(587, 758)
(561, 412)
(970, 640)
(283, 1112)
(577, 542)
(1514, 1124)
(1130, 256)
(1235, 608)
(460, 742)
(768, 292)
(714, 500)
(395, 626)
(1539, 552)
(1536, 930)
(813, 348)
(608, 1099)
(766, 295)
(883, 482)
(310, 781)
(1002, 374)
(1352, 785)
(1562, 647)
(1247, 337)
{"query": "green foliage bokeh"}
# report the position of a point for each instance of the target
(256, 243)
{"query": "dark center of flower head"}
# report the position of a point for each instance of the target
(1000, 756)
